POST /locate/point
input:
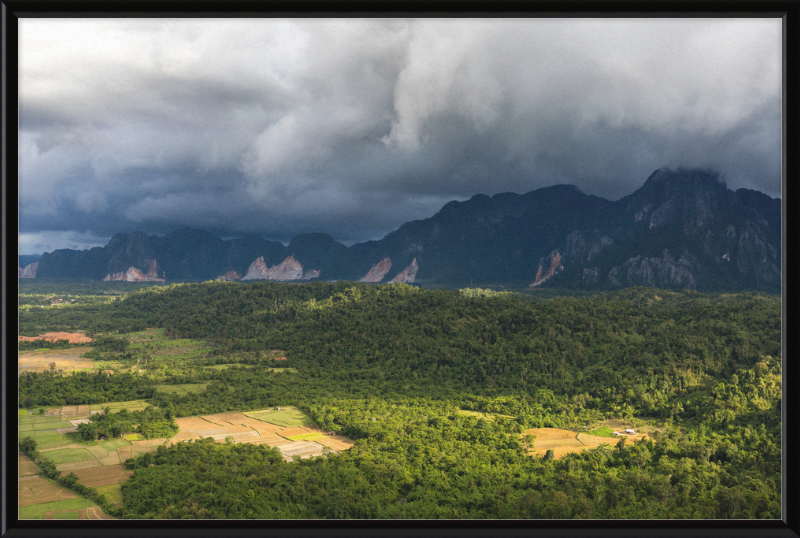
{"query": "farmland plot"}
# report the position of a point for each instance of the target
(563, 442)
(101, 464)
(68, 360)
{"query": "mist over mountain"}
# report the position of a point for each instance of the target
(682, 229)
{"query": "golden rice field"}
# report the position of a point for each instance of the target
(101, 464)
(254, 427)
(563, 442)
(68, 360)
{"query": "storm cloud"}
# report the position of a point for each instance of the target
(352, 127)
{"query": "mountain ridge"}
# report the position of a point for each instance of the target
(682, 229)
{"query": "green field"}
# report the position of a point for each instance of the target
(69, 455)
(116, 407)
(307, 437)
(52, 425)
(52, 441)
(37, 419)
(605, 431)
(114, 444)
(284, 417)
(112, 491)
(37, 511)
(187, 388)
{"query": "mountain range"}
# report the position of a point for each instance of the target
(683, 229)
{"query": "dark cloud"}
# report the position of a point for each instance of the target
(352, 127)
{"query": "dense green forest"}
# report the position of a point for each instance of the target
(390, 366)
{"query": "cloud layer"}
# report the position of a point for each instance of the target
(352, 127)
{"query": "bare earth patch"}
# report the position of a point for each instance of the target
(26, 466)
(103, 476)
(39, 490)
(68, 360)
(74, 338)
(94, 512)
(304, 449)
(562, 442)
(336, 442)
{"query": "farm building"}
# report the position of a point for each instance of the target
(630, 432)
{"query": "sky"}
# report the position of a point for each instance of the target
(352, 127)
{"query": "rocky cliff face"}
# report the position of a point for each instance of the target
(29, 271)
(378, 271)
(131, 275)
(258, 270)
(661, 272)
(288, 269)
(722, 241)
(230, 275)
(548, 267)
(152, 269)
(714, 239)
(407, 275)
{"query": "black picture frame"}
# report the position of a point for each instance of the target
(788, 10)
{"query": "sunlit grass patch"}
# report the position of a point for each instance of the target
(52, 425)
(132, 405)
(69, 455)
(605, 431)
(133, 437)
(37, 511)
(114, 444)
(186, 388)
(307, 437)
(284, 417)
(38, 419)
(52, 442)
(113, 492)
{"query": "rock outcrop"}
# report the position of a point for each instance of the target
(152, 270)
(288, 269)
(407, 275)
(257, 271)
(131, 275)
(29, 271)
(230, 275)
(378, 271)
(548, 266)
(663, 272)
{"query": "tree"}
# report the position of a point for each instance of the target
(28, 445)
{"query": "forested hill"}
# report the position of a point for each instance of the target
(403, 371)
(638, 347)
